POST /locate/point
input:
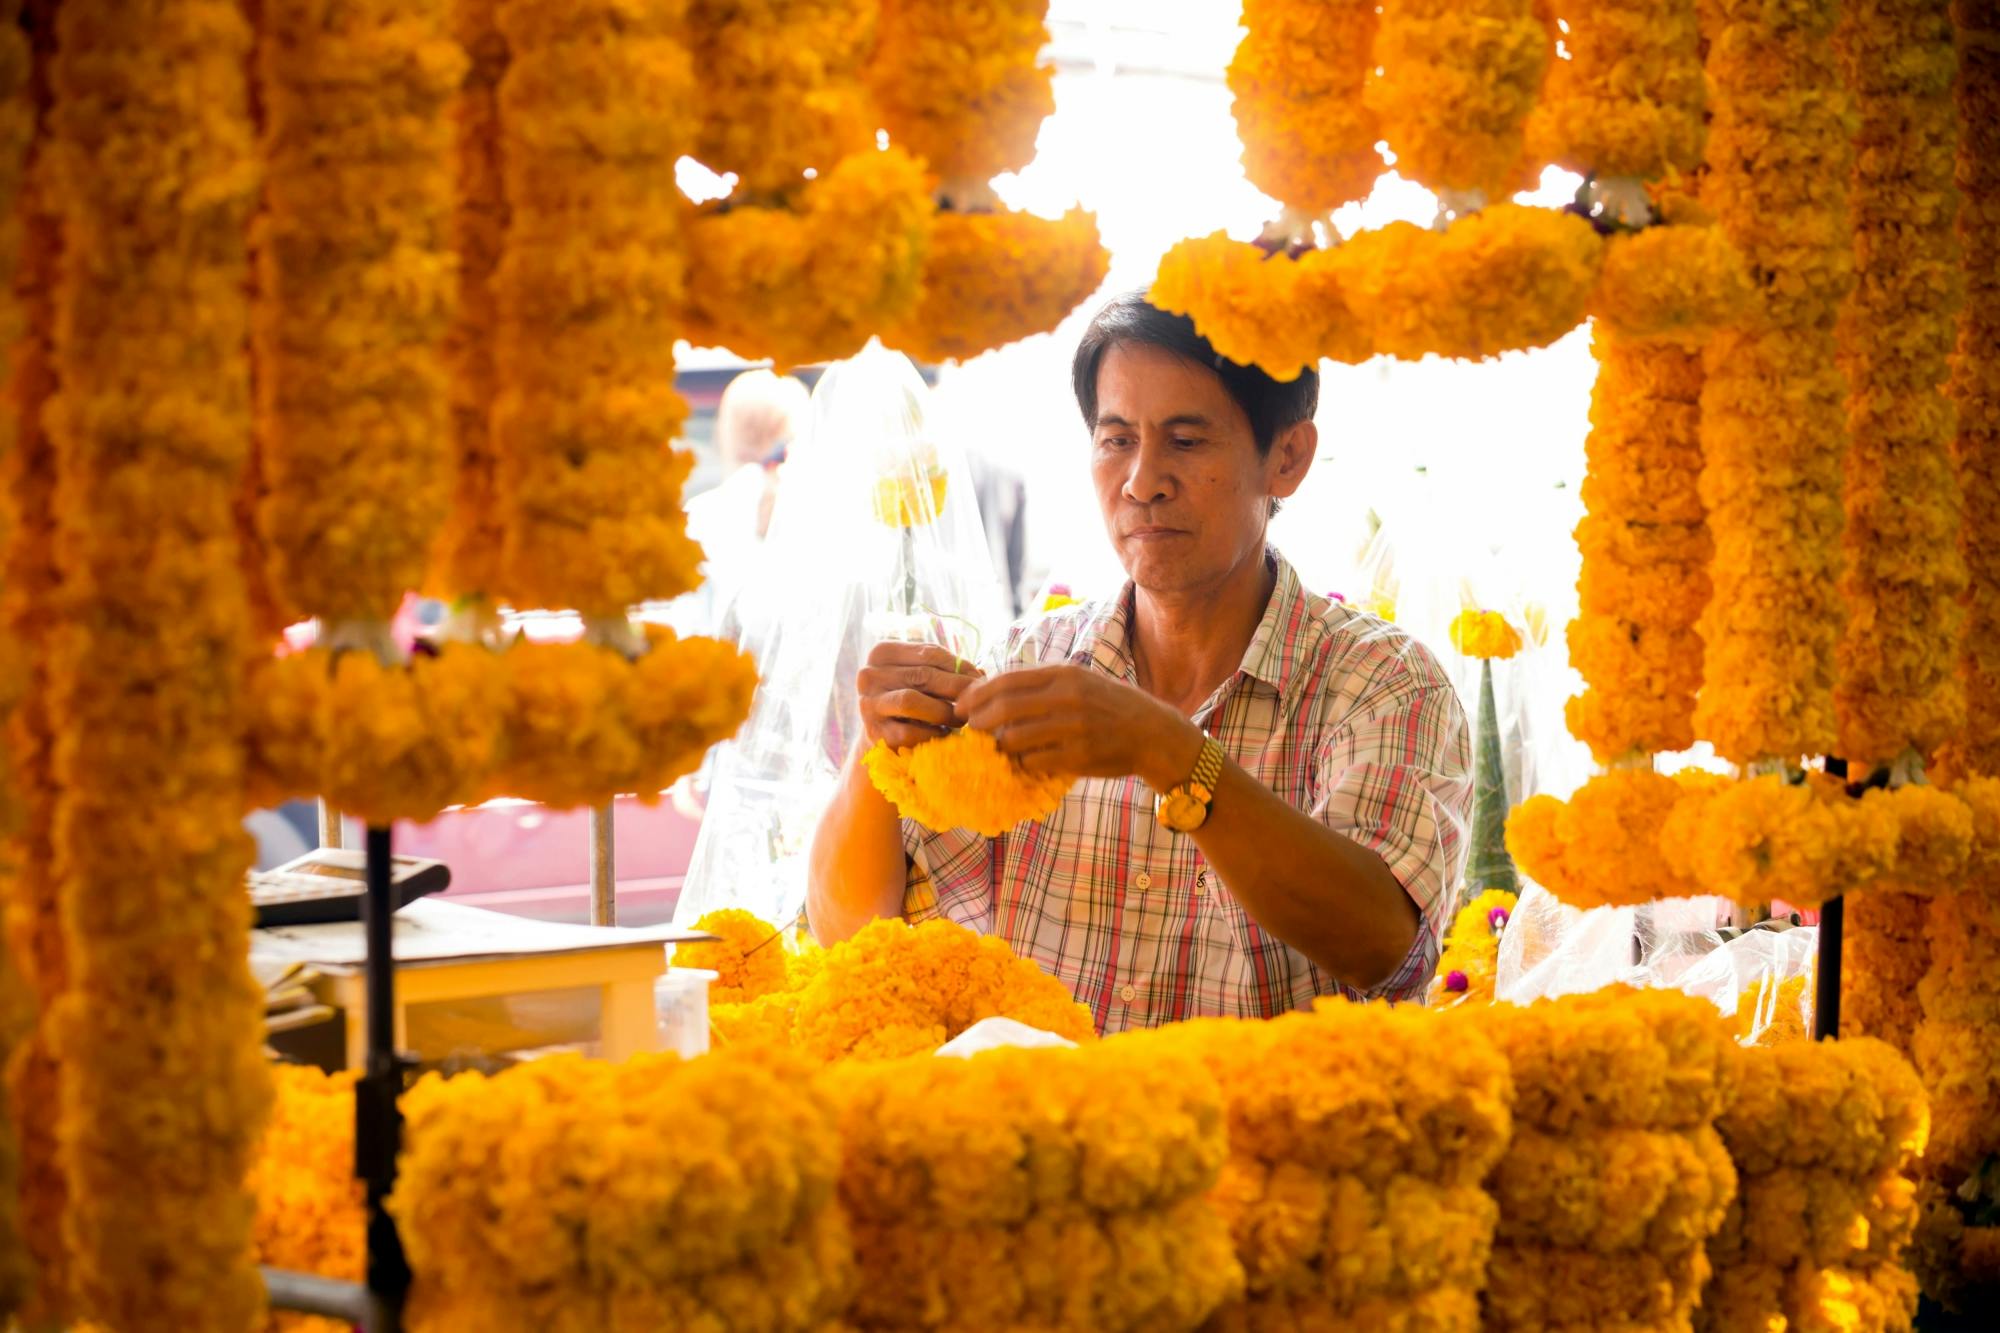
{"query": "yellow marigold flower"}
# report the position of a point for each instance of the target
(990, 279)
(1506, 278)
(1628, 100)
(903, 500)
(962, 781)
(763, 1022)
(1614, 1190)
(1820, 1218)
(1308, 138)
(1767, 1014)
(895, 990)
(405, 741)
(310, 1216)
(1766, 838)
(1472, 948)
(1605, 844)
(1680, 283)
(1273, 311)
(1484, 634)
(1854, 1107)
(961, 86)
(1578, 1289)
(747, 956)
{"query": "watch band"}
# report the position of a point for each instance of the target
(1207, 768)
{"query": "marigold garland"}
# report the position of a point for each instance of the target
(1484, 635)
(734, 1157)
(1276, 311)
(746, 956)
(1452, 85)
(145, 677)
(1677, 282)
(310, 1209)
(1614, 1191)
(1772, 428)
(1957, 1044)
(1898, 690)
(961, 86)
(1628, 100)
(1297, 75)
(17, 1020)
(1603, 845)
(354, 279)
(1469, 959)
(895, 990)
(588, 295)
(962, 781)
(781, 87)
(465, 559)
(814, 283)
(990, 279)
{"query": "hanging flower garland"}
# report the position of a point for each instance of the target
(1274, 311)
(963, 781)
(465, 559)
(1452, 85)
(1627, 102)
(1678, 282)
(1308, 138)
(310, 1212)
(354, 278)
(961, 86)
(781, 88)
(588, 293)
(814, 283)
(990, 279)
(146, 677)
(1772, 431)
(1898, 691)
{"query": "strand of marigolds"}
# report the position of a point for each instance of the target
(1772, 427)
(1975, 380)
(1625, 106)
(781, 88)
(1615, 1177)
(29, 890)
(152, 327)
(990, 279)
(465, 560)
(354, 267)
(587, 291)
(1452, 85)
(1822, 1135)
(1897, 692)
(1308, 137)
(310, 1209)
(962, 86)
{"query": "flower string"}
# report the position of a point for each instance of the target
(1297, 76)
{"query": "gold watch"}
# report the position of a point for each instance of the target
(1185, 808)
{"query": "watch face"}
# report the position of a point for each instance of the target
(1181, 811)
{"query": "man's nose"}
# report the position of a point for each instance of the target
(1150, 477)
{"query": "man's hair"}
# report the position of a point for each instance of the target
(1272, 405)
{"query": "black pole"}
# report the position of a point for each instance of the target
(378, 1121)
(1826, 982)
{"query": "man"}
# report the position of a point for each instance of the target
(1273, 787)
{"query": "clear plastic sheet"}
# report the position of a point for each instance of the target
(1746, 977)
(875, 535)
(1550, 948)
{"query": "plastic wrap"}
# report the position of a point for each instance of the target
(1550, 948)
(1749, 975)
(992, 1034)
(875, 534)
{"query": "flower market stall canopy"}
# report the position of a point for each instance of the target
(875, 535)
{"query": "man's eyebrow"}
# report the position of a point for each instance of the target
(1111, 419)
(1178, 419)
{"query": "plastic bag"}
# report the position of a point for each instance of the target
(992, 1034)
(1765, 978)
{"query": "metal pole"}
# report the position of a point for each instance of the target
(603, 867)
(309, 1293)
(330, 834)
(378, 1120)
(1826, 983)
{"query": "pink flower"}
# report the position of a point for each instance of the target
(1496, 919)
(1455, 981)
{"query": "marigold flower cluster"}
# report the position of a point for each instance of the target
(781, 88)
(17, 1019)
(1957, 1042)
(1884, 957)
(1975, 378)
(905, 499)
(747, 956)
(1047, 1189)
(1822, 1135)
(566, 724)
(1646, 547)
(545, 1197)
(1471, 954)
(354, 297)
(1628, 100)
(1297, 76)
(17, 129)
(1678, 282)
(961, 85)
(1276, 311)
(1359, 1141)
(1484, 635)
(1772, 405)
(310, 1208)
(587, 295)
(815, 281)
(990, 279)
(145, 672)
(1616, 1177)
(1898, 688)
(1604, 844)
(962, 780)
(895, 990)
(468, 545)
(1768, 1013)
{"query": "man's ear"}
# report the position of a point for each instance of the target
(1291, 458)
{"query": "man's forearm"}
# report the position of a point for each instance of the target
(857, 869)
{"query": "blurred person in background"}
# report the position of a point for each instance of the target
(757, 423)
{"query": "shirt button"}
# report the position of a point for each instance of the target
(1128, 993)
(1142, 881)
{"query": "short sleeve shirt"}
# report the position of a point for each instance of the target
(1343, 716)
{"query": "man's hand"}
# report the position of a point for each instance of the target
(907, 692)
(1072, 721)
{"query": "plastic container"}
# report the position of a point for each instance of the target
(680, 998)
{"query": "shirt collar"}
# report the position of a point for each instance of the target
(1272, 657)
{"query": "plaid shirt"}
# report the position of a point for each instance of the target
(1343, 716)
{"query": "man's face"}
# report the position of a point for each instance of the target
(1184, 492)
